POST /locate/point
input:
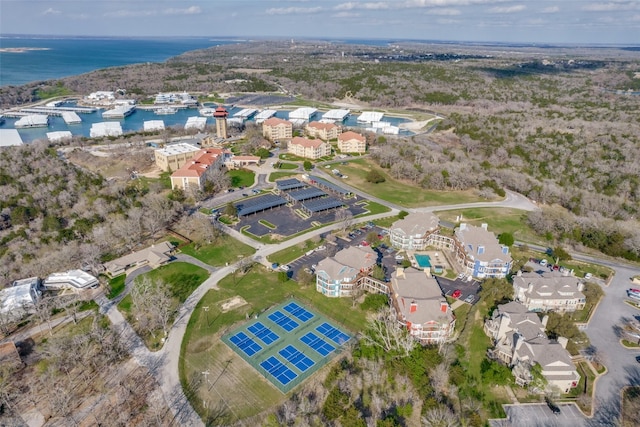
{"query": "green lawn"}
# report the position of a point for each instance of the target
(273, 176)
(286, 166)
(182, 279)
(499, 220)
(374, 208)
(291, 157)
(116, 285)
(225, 249)
(287, 255)
(242, 177)
(401, 193)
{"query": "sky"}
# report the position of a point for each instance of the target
(536, 21)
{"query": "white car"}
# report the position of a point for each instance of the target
(285, 268)
(321, 248)
(399, 257)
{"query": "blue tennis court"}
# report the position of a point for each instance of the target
(295, 356)
(317, 343)
(299, 312)
(283, 321)
(334, 334)
(278, 370)
(263, 333)
(245, 343)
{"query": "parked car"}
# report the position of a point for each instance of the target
(456, 294)
(399, 257)
(285, 268)
(245, 195)
(554, 408)
(461, 276)
(321, 248)
(588, 276)
(309, 252)
(470, 299)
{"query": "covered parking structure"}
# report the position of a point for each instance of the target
(259, 204)
(304, 194)
(326, 185)
(289, 184)
(320, 205)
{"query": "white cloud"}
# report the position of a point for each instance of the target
(345, 14)
(609, 7)
(193, 10)
(125, 13)
(445, 12)
(508, 9)
(380, 5)
(551, 9)
(292, 10)
(51, 11)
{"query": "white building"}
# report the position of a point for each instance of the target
(105, 129)
(338, 115)
(549, 291)
(413, 231)
(196, 123)
(339, 275)
(20, 298)
(101, 95)
(75, 280)
(153, 125)
(71, 118)
(480, 253)
(58, 136)
(370, 117)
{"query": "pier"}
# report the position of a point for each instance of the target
(57, 111)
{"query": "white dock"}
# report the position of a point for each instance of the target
(33, 121)
(370, 117)
(120, 112)
(246, 113)
(336, 115)
(59, 136)
(105, 129)
(71, 118)
(196, 123)
(304, 113)
(264, 115)
(153, 125)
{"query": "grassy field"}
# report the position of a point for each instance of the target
(116, 285)
(182, 279)
(277, 175)
(374, 208)
(289, 254)
(288, 166)
(401, 193)
(225, 249)
(203, 351)
(499, 220)
(242, 177)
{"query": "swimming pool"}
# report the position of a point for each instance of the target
(423, 260)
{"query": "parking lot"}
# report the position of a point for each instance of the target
(286, 222)
(541, 415)
(468, 289)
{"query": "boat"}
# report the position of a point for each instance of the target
(164, 111)
(207, 112)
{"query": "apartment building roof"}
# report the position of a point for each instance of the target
(418, 297)
(543, 286)
(312, 143)
(417, 223)
(180, 148)
(481, 244)
(197, 166)
(349, 135)
(360, 258)
(275, 121)
(322, 125)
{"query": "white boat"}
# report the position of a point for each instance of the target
(207, 112)
(165, 111)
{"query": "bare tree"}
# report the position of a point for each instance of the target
(153, 305)
(385, 332)
(440, 416)
(345, 218)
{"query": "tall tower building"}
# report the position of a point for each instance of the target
(221, 122)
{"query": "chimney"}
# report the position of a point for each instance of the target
(414, 307)
(580, 286)
(545, 319)
(563, 342)
(484, 225)
(530, 288)
(519, 273)
(443, 307)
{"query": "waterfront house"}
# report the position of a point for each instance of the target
(546, 290)
(479, 253)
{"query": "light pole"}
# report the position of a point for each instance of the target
(206, 310)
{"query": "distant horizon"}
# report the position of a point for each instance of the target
(311, 38)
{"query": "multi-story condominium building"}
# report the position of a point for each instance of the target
(309, 148)
(339, 275)
(520, 342)
(549, 291)
(324, 131)
(276, 129)
(174, 156)
(479, 252)
(420, 306)
(351, 142)
(193, 173)
(413, 231)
